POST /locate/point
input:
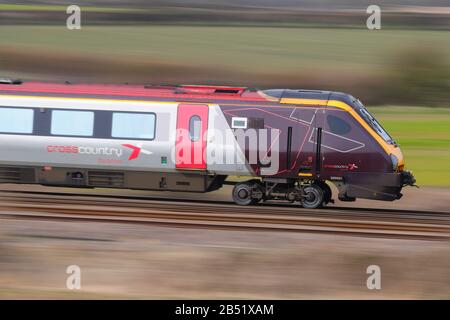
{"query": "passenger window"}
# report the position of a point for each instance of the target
(16, 120)
(195, 128)
(133, 125)
(337, 125)
(72, 123)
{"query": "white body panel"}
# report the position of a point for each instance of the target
(110, 154)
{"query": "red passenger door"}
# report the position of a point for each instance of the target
(192, 124)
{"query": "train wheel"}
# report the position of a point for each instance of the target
(314, 197)
(327, 191)
(242, 194)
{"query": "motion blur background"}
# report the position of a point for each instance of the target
(401, 72)
(257, 43)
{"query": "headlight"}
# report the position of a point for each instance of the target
(394, 160)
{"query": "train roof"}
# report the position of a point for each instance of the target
(185, 93)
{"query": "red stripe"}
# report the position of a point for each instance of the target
(131, 91)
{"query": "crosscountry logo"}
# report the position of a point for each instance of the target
(136, 150)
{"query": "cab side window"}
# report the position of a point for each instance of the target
(337, 125)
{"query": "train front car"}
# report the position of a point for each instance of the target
(372, 165)
(323, 137)
(288, 143)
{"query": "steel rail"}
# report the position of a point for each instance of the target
(218, 215)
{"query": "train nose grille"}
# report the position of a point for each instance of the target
(106, 179)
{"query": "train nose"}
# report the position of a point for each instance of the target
(407, 178)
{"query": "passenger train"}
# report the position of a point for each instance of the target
(146, 137)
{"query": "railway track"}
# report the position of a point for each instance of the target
(223, 215)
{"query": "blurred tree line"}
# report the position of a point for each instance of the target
(420, 77)
(325, 13)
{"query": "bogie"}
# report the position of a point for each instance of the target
(309, 194)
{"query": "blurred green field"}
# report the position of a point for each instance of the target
(424, 137)
(275, 50)
(388, 66)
